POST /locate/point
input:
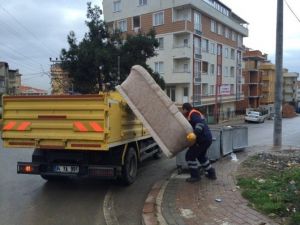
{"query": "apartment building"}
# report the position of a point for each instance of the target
(298, 96)
(268, 83)
(3, 77)
(10, 79)
(200, 48)
(289, 87)
(14, 82)
(253, 78)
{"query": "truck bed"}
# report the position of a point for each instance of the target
(74, 122)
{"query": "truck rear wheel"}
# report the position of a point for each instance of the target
(129, 169)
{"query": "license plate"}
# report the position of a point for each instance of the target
(66, 169)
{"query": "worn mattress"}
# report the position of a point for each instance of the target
(158, 113)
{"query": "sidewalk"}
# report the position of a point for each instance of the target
(176, 202)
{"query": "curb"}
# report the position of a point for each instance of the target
(149, 215)
(152, 214)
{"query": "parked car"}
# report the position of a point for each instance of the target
(254, 116)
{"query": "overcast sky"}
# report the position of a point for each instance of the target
(32, 31)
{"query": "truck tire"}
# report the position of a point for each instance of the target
(158, 154)
(129, 169)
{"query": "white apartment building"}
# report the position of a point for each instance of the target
(200, 52)
(290, 87)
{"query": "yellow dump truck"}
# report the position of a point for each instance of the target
(77, 135)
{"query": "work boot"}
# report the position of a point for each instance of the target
(211, 174)
(195, 176)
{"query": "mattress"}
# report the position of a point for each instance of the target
(158, 113)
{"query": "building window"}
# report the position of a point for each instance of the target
(233, 36)
(213, 26)
(205, 89)
(186, 91)
(197, 93)
(122, 25)
(185, 67)
(197, 21)
(197, 45)
(205, 45)
(232, 89)
(240, 40)
(117, 6)
(159, 67)
(232, 71)
(232, 55)
(212, 48)
(185, 42)
(158, 18)
(219, 49)
(226, 53)
(226, 32)
(171, 92)
(2, 83)
(142, 2)
(197, 71)
(226, 73)
(220, 29)
(185, 94)
(160, 43)
(136, 22)
(204, 67)
(212, 69)
(211, 90)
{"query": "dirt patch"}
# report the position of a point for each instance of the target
(265, 163)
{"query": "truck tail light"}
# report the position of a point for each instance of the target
(28, 168)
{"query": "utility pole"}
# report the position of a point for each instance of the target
(277, 133)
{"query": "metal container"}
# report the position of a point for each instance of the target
(214, 151)
(226, 140)
(239, 137)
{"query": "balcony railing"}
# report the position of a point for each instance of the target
(182, 51)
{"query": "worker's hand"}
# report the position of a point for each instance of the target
(191, 137)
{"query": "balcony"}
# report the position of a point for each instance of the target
(181, 52)
(208, 99)
(289, 91)
(179, 77)
(182, 13)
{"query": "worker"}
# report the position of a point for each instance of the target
(199, 149)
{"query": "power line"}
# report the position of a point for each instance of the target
(291, 10)
(24, 56)
(26, 29)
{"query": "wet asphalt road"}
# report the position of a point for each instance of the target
(30, 200)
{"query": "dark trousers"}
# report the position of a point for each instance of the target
(198, 152)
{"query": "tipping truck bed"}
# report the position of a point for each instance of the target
(75, 130)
